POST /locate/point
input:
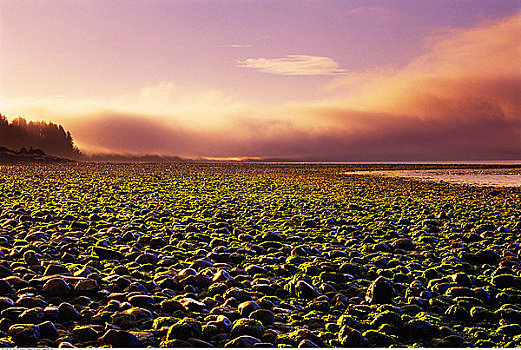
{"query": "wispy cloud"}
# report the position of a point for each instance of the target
(248, 45)
(459, 100)
(264, 37)
(294, 65)
(239, 46)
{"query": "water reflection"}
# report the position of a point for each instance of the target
(475, 177)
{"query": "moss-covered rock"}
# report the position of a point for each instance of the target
(184, 329)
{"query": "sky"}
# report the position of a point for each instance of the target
(301, 79)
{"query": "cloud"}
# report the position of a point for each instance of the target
(294, 65)
(459, 100)
(237, 46)
(477, 66)
(242, 46)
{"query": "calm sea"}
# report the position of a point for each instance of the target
(475, 177)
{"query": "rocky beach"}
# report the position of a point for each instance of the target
(254, 255)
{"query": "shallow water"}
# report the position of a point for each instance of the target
(474, 177)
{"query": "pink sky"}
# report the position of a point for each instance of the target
(322, 80)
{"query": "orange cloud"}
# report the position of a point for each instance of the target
(460, 100)
(461, 65)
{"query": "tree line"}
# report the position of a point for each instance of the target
(37, 136)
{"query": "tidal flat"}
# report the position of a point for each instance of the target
(255, 255)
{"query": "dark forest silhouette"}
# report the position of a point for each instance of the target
(47, 137)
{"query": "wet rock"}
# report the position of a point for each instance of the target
(52, 313)
(244, 341)
(480, 314)
(147, 258)
(457, 312)
(136, 287)
(141, 300)
(380, 291)
(48, 330)
(451, 341)
(5, 288)
(175, 343)
(271, 236)
(351, 338)
(120, 339)
(221, 276)
(255, 269)
(56, 287)
(184, 329)
(65, 344)
(107, 254)
(199, 343)
(31, 316)
(319, 305)
(296, 336)
(510, 329)
(188, 281)
(5, 303)
(30, 301)
(86, 286)
(459, 292)
(203, 281)
(389, 317)
(244, 326)
(167, 283)
(404, 244)
(83, 272)
(84, 333)
(247, 307)
(238, 294)
(139, 313)
(382, 247)
(17, 282)
(509, 314)
(461, 280)
(210, 330)
(5, 271)
(24, 334)
(171, 305)
(4, 343)
(306, 291)
(411, 309)
(306, 343)
(123, 320)
(487, 256)
(186, 272)
(31, 258)
(481, 294)
(5, 323)
(505, 281)
(265, 289)
(192, 305)
(56, 269)
(68, 312)
(264, 345)
(224, 323)
(12, 313)
(378, 339)
(266, 317)
(163, 321)
(420, 329)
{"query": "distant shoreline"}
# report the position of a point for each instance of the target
(11, 158)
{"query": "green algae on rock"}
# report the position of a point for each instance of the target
(256, 255)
